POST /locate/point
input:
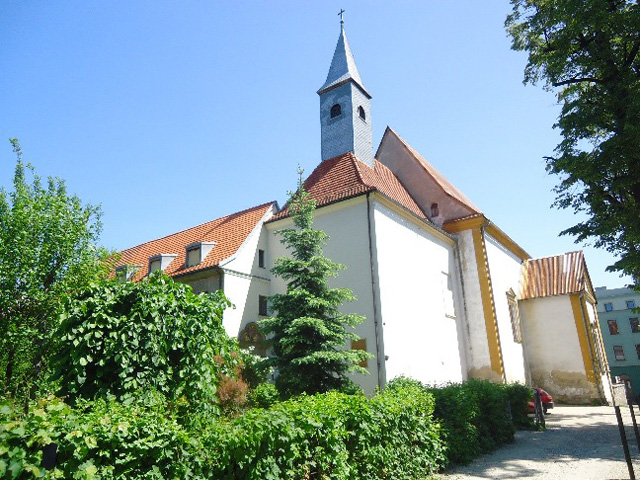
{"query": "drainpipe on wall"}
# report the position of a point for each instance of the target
(376, 314)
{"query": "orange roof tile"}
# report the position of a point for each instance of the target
(345, 176)
(228, 232)
(558, 275)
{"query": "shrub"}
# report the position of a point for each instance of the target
(331, 435)
(99, 439)
(119, 338)
(264, 395)
(475, 415)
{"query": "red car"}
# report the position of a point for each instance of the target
(547, 400)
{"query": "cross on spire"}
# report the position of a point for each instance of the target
(341, 15)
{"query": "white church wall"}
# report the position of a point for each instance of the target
(244, 281)
(504, 268)
(417, 301)
(554, 355)
(348, 244)
(478, 357)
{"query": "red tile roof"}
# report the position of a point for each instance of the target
(559, 275)
(345, 176)
(228, 232)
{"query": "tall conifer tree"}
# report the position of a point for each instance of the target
(307, 333)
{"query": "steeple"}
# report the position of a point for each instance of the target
(345, 108)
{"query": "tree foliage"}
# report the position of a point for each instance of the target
(47, 248)
(308, 333)
(587, 51)
(120, 338)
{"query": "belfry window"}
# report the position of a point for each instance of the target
(362, 113)
(336, 110)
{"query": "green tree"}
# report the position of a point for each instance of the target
(119, 338)
(308, 333)
(47, 248)
(587, 52)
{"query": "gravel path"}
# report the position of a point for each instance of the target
(579, 443)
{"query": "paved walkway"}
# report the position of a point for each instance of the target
(579, 443)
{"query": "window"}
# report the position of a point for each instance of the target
(193, 256)
(435, 211)
(361, 112)
(126, 272)
(197, 252)
(154, 265)
(635, 325)
(618, 353)
(261, 258)
(447, 295)
(613, 327)
(360, 344)
(631, 304)
(336, 110)
(514, 313)
(608, 307)
(262, 305)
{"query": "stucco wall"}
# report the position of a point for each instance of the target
(346, 225)
(504, 268)
(553, 350)
(418, 305)
(478, 357)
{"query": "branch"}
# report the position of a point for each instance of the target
(577, 80)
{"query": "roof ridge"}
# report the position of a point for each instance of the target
(202, 224)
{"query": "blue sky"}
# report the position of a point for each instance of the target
(173, 113)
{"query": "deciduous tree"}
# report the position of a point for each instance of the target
(47, 248)
(587, 52)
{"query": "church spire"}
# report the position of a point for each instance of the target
(343, 66)
(345, 107)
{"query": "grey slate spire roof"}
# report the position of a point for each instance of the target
(343, 67)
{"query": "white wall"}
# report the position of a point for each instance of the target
(553, 350)
(346, 225)
(478, 364)
(505, 268)
(419, 301)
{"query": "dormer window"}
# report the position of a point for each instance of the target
(124, 273)
(362, 113)
(161, 261)
(197, 252)
(336, 110)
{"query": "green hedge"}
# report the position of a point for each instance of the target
(401, 433)
(332, 435)
(477, 416)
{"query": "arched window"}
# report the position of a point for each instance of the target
(435, 211)
(361, 112)
(336, 110)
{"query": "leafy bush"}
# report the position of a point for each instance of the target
(99, 439)
(119, 338)
(264, 395)
(332, 435)
(519, 396)
(476, 415)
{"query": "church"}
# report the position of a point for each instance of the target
(447, 295)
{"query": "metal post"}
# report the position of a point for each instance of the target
(625, 447)
(635, 425)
